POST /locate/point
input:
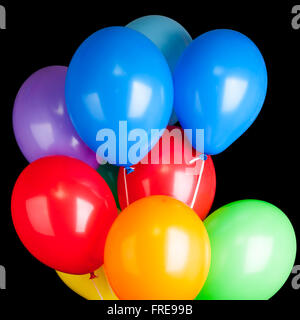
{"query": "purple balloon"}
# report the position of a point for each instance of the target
(41, 122)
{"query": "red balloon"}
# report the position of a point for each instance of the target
(193, 181)
(62, 210)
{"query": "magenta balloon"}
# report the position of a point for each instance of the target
(41, 122)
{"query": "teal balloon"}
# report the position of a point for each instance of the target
(253, 250)
(110, 173)
(168, 35)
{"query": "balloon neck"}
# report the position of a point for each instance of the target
(92, 276)
(203, 157)
(129, 170)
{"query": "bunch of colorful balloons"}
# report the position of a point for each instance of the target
(136, 227)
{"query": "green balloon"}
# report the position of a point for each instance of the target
(253, 249)
(110, 174)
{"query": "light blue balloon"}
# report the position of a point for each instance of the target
(118, 88)
(220, 84)
(168, 35)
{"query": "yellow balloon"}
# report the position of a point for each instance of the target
(90, 289)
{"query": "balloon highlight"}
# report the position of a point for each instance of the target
(172, 168)
(62, 211)
(132, 86)
(41, 123)
(253, 251)
(157, 249)
(220, 85)
(168, 35)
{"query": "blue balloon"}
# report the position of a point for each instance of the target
(118, 88)
(220, 84)
(168, 35)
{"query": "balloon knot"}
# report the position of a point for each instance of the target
(203, 157)
(129, 170)
(92, 276)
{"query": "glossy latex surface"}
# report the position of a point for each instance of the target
(62, 210)
(90, 289)
(168, 35)
(41, 122)
(220, 84)
(157, 248)
(253, 247)
(117, 74)
(174, 169)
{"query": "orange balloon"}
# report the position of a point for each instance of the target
(157, 249)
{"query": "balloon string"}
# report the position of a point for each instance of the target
(126, 189)
(101, 298)
(198, 183)
(110, 289)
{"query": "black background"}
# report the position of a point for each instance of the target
(262, 164)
